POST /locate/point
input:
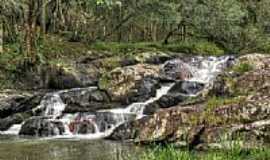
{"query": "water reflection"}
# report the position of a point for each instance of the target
(27, 149)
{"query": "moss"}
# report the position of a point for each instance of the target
(207, 48)
(209, 116)
(104, 81)
(242, 68)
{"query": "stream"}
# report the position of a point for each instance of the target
(15, 148)
(78, 136)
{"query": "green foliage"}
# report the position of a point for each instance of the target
(125, 48)
(233, 153)
(207, 48)
(209, 115)
(195, 47)
(242, 68)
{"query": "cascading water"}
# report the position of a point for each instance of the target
(103, 122)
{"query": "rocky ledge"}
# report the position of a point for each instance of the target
(237, 107)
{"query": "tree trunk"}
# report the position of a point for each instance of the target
(43, 17)
(1, 36)
(30, 31)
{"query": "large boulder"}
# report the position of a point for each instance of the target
(132, 83)
(17, 107)
(87, 100)
(250, 74)
(18, 118)
(176, 70)
(243, 112)
(180, 92)
(195, 125)
(42, 127)
(153, 57)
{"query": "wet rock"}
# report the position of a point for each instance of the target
(18, 103)
(245, 112)
(41, 127)
(176, 70)
(123, 84)
(107, 120)
(83, 127)
(177, 94)
(7, 122)
(187, 88)
(87, 100)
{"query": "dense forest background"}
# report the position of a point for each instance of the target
(38, 31)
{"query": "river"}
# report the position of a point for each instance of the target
(15, 148)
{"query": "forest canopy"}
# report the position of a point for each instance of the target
(235, 26)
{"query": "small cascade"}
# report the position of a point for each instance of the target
(102, 123)
(205, 70)
(54, 106)
(13, 130)
(138, 107)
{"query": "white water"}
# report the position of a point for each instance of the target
(208, 69)
(138, 108)
(204, 71)
(13, 130)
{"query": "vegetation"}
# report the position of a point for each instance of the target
(223, 25)
(234, 153)
(242, 68)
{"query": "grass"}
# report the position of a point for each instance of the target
(188, 47)
(242, 68)
(235, 153)
(209, 116)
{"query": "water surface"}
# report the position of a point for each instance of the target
(15, 148)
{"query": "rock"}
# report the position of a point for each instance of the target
(41, 127)
(161, 126)
(18, 103)
(187, 88)
(252, 80)
(83, 127)
(257, 61)
(107, 120)
(177, 94)
(123, 84)
(190, 124)
(176, 70)
(57, 77)
(153, 57)
(7, 122)
(87, 100)
(244, 112)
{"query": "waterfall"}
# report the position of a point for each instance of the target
(103, 122)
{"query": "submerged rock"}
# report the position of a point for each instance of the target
(42, 127)
(108, 120)
(83, 127)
